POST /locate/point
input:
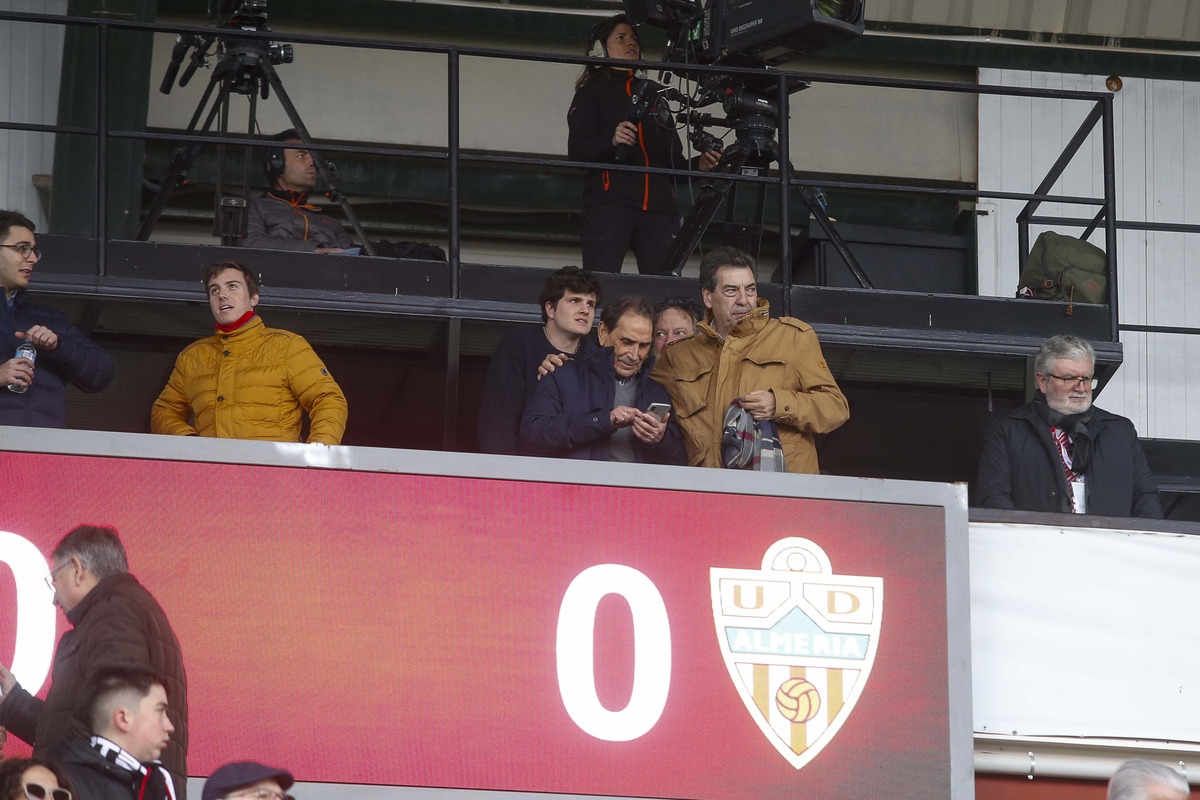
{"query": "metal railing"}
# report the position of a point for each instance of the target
(784, 180)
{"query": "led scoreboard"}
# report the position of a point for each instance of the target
(471, 622)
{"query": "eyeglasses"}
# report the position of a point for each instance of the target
(25, 249)
(258, 794)
(1075, 380)
(35, 791)
(50, 580)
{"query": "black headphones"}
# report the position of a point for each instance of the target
(596, 45)
(273, 164)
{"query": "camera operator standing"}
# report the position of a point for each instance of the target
(624, 209)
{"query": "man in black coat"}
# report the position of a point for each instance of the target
(596, 405)
(1060, 453)
(64, 354)
(117, 623)
(128, 713)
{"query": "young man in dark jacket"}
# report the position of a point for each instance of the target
(1060, 453)
(596, 406)
(568, 302)
(64, 354)
(116, 622)
(127, 707)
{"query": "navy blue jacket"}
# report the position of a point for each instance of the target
(77, 360)
(511, 378)
(568, 416)
(1020, 468)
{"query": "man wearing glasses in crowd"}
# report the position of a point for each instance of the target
(64, 354)
(115, 622)
(248, 780)
(1060, 453)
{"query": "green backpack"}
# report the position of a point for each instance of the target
(1064, 268)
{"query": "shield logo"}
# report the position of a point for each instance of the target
(799, 643)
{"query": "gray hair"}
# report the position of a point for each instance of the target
(98, 549)
(1134, 779)
(1063, 346)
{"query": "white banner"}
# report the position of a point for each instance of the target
(1085, 632)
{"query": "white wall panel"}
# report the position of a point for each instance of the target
(1132, 19)
(1157, 125)
(31, 61)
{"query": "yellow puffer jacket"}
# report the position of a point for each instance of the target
(250, 384)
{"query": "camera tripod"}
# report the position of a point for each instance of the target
(246, 67)
(752, 153)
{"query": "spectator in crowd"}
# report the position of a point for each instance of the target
(596, 405)
(116, 622)
(1060, 453)
(31, 779)
(127, 707)
(1145, 780)
(568, 301)
(247, 780)
(623, 209)
(64, 354)
(674, 318)
(773, 368)
(282, 218)
(248, 381)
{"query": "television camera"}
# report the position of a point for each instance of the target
(246, 66)
(746, 34)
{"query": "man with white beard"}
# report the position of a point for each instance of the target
(1060, 453)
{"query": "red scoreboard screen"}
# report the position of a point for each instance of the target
(519, 629)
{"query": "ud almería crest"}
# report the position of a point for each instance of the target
(799, 643)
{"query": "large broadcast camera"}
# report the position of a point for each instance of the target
(742, 34)
(246, 15)
(750, 32)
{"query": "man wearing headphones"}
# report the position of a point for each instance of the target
(283, 219)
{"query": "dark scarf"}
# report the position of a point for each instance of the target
(1075, 426)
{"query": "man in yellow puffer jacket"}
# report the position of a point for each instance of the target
(248, 381)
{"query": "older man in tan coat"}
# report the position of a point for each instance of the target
(774, 367)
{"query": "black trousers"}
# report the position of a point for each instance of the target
(610, 230)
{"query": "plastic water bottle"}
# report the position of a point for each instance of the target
(24, 350)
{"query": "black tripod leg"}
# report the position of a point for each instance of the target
(702, 212)
(809, 196)
(298, 124)
(181, 162)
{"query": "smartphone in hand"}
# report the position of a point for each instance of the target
(659, 410)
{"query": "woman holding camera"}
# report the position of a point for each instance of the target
(623, 209)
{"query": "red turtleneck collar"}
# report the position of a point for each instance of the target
(237, 323)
